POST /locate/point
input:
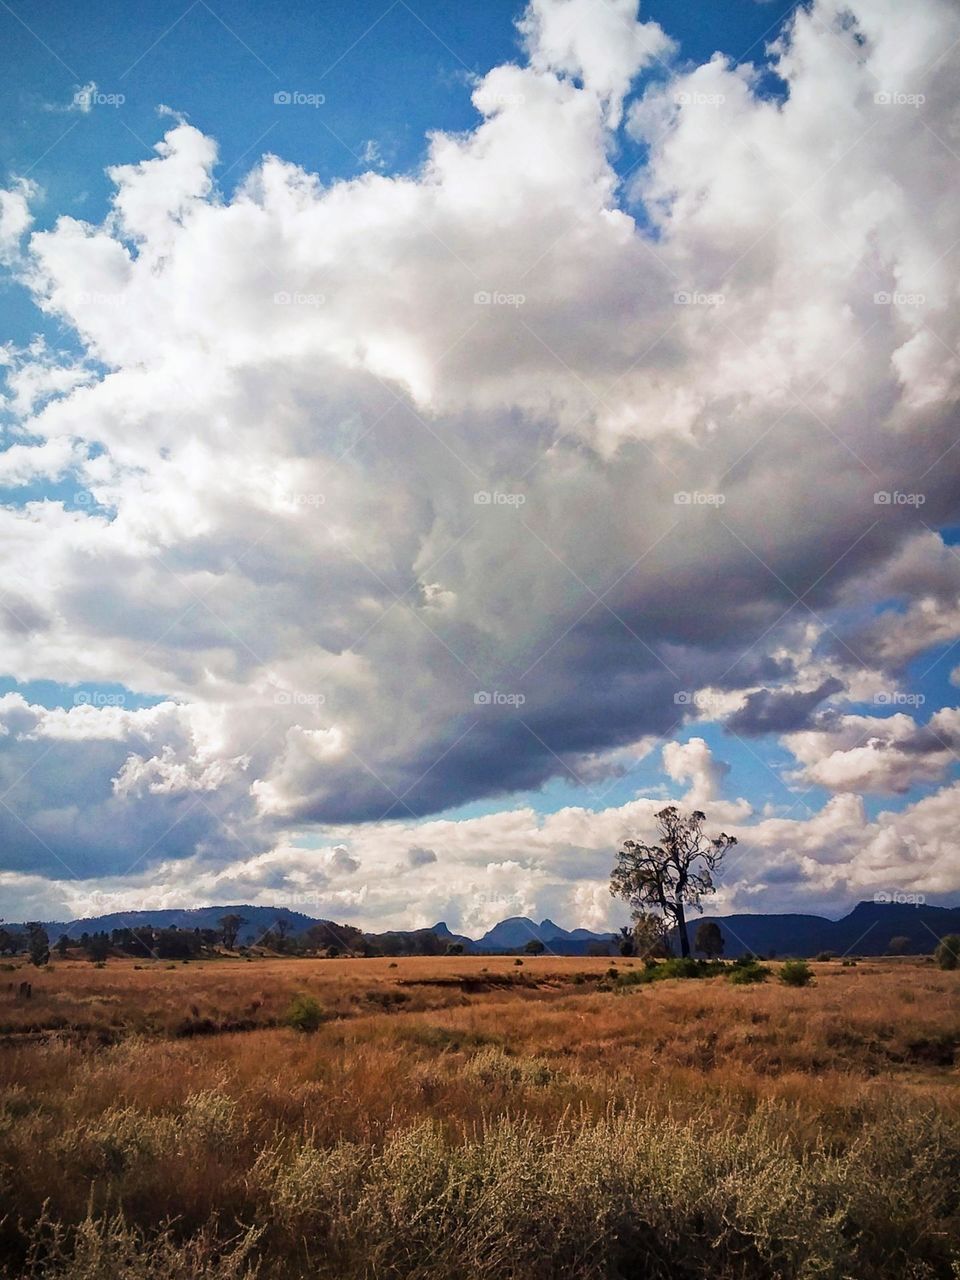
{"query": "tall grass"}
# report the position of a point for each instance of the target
(678, 1129)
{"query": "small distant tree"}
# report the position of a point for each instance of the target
(650, 936)
(97, 946)
(626, 942)
(454, 948)
(63, 943)
(709, 940)
(899, 945)
(230, 926)
(674, 874)
(535, 947)
(38, 944)
(947, 954)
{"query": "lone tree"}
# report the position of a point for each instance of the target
(535, 947)
(947, 954)
(673, 874)
(709, 940)
(626, 942)
(38, 944)
(230, 926)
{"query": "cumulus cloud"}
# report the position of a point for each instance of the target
(409, 491)
(780, 710)
(880, 754)
(15, 217)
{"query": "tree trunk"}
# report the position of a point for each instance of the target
(682, 931)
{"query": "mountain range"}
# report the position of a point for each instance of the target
(869, 929)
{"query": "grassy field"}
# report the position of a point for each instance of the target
(470, 1117)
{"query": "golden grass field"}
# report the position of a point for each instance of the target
(469, 1117)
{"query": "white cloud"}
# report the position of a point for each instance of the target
(289, 399)
(15, 217)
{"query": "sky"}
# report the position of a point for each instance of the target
(436, 437)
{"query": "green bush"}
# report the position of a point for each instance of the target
(947, 954)
(826, 955)
(660, 970)
(796, 973)
(304, 1013)
(742, 975)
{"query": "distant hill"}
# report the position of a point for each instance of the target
(257, 921)
(867, 930)
(514, 934)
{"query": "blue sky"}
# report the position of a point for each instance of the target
(389, 74)
(245, 556)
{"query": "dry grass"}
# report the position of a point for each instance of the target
(443, 1117)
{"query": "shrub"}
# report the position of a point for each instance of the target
(947, 954)
(826, 955)
(304, 1013)
(491, 1066)
(796, 973)
(742, 975)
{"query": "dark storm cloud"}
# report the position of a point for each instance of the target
(780, 710)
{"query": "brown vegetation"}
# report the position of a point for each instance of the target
(457, 1116)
